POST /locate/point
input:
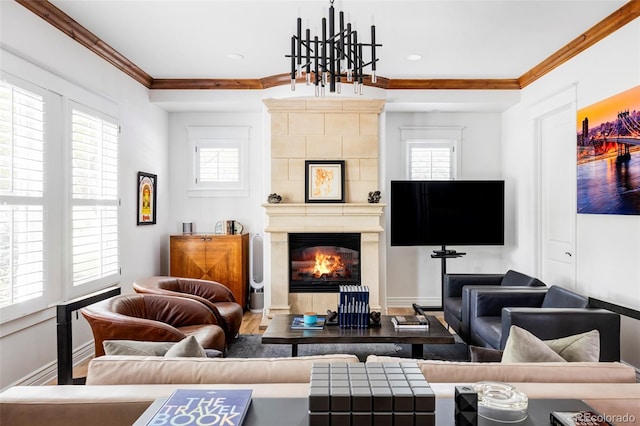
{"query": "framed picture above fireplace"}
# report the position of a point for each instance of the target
(324, 181)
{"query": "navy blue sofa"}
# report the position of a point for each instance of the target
(551, 314)
(457, 288)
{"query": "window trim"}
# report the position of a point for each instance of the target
(219, 136)
(21, 71)
(434, 134)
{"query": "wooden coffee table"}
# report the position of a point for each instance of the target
(279, 332)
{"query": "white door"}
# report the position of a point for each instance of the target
(557, 142)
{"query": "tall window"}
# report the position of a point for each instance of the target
(22, 188)
(220, 161)
(58, 199)
(94, 189)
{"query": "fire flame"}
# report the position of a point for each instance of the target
(327, 264)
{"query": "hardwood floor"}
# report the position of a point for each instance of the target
(251, 325)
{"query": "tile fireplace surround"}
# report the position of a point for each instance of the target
(323, 129)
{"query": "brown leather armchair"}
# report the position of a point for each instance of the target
(213, 294)
(150, 317)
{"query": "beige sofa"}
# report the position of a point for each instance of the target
(120, 388)
(608, 387)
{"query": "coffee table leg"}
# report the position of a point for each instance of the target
(417, 351)
(294, 349)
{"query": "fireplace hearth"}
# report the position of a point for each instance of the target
(322, 262)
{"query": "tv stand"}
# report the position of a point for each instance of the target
(443, 254)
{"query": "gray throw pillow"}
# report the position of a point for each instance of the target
(584, 347)
(135, 347)
(480, 354)
(187, 347)
(213, 353)
(522, 346)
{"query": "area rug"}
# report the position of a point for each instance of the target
(249, 346)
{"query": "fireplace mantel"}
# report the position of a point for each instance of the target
(325, 217)
(285, 218)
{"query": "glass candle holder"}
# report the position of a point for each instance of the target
(501, 402)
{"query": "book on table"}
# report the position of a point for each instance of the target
(298, 324)
(410, 322)
(203, 407)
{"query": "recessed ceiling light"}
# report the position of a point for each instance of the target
(414, 57)
(235, 56)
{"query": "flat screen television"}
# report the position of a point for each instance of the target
(456, 212)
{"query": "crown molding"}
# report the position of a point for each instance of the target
(56, 17)
(621, 17)
(73, 29)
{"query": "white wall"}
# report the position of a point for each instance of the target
(412, 276)
(608, 246)
(204, 212)
(29, 355)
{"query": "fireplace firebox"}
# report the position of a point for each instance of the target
(322, 262)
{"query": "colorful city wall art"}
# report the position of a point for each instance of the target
(609, 155)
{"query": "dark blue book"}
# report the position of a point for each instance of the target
(203, 407)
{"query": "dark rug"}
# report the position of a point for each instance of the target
(249, 346)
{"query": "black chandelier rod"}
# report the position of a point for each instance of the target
(326, 54)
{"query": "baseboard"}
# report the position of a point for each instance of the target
(407, 302)
(49, 372)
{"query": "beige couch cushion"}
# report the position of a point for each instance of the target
(73, 405)
(542, 372)
(116, 370)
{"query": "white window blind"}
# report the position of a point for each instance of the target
(22, 189)
(431, 160)
(94, 189)
(218, 163)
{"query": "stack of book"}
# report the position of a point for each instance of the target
(353, 307)
(410, 322)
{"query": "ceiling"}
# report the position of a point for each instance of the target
(456, 39)
(471, 39)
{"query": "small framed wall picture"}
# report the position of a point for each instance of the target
(324, 181)
(147, 184)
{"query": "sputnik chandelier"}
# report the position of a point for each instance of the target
(332, 57)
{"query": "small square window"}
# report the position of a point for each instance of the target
(431, 160)
(220, 161)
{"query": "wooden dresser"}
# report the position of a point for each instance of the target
(221, 258)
